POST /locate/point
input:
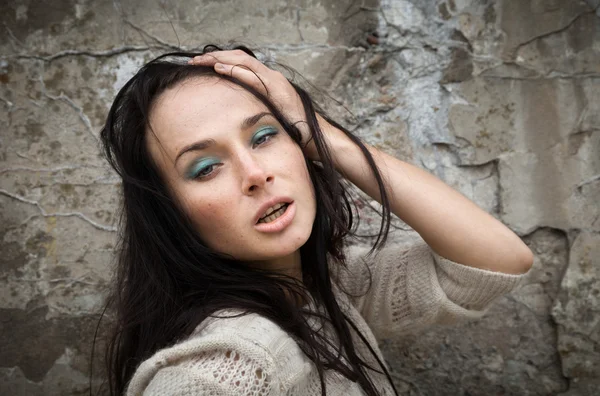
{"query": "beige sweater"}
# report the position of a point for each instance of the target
(250, 355)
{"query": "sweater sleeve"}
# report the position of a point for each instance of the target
(207, 366)
(414, 287)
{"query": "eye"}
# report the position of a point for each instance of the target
(202, 169)
(264, 135)
(206, 171)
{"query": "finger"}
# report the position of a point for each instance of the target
(204, 60)
(242, 73)
(235, 57)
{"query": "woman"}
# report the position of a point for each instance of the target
(232, 276)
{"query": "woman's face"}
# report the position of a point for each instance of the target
(229, 162)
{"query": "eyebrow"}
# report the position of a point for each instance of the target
(204, 144)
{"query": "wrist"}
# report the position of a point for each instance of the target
(336, 140)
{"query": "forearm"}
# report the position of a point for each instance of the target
(451, 224)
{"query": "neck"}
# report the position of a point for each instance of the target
(290, 265)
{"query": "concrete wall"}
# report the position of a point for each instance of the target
(498, 98)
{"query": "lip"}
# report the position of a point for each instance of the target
(271, 202)
(280, 223)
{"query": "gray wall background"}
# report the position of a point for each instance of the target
(499, 98)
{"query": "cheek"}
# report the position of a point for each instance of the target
(293, 161)
(295, 165)
(212, 214)
(208, 215)
(301, 170)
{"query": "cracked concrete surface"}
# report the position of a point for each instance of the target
(496, 97)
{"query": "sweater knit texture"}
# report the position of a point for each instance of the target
(412, 288)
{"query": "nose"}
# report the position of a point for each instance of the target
(255, 175)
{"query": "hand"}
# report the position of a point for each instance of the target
(240, 65)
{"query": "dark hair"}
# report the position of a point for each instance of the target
(168, 281)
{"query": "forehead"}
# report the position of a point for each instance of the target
(202, 99)
(199, 108)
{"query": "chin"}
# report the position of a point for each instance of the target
(280, 251)
(277, 249)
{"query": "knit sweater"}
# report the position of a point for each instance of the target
(412, 288)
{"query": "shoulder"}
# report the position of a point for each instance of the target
(228, 353)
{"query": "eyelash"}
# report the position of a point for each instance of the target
(268, 135)
(265, 138)
(201, 175)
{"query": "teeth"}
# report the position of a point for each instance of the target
(272, 209)
(275, 215)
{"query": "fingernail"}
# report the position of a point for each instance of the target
(220, 66)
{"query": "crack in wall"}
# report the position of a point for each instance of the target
(14, 40)
(564, 237)
(592, 179)
(58, 214)
(89, 53)
(298, 24)
(553, 32)
(64, 98)
(49, 170)
(143, 34)
(550, 77)
(128, 49)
